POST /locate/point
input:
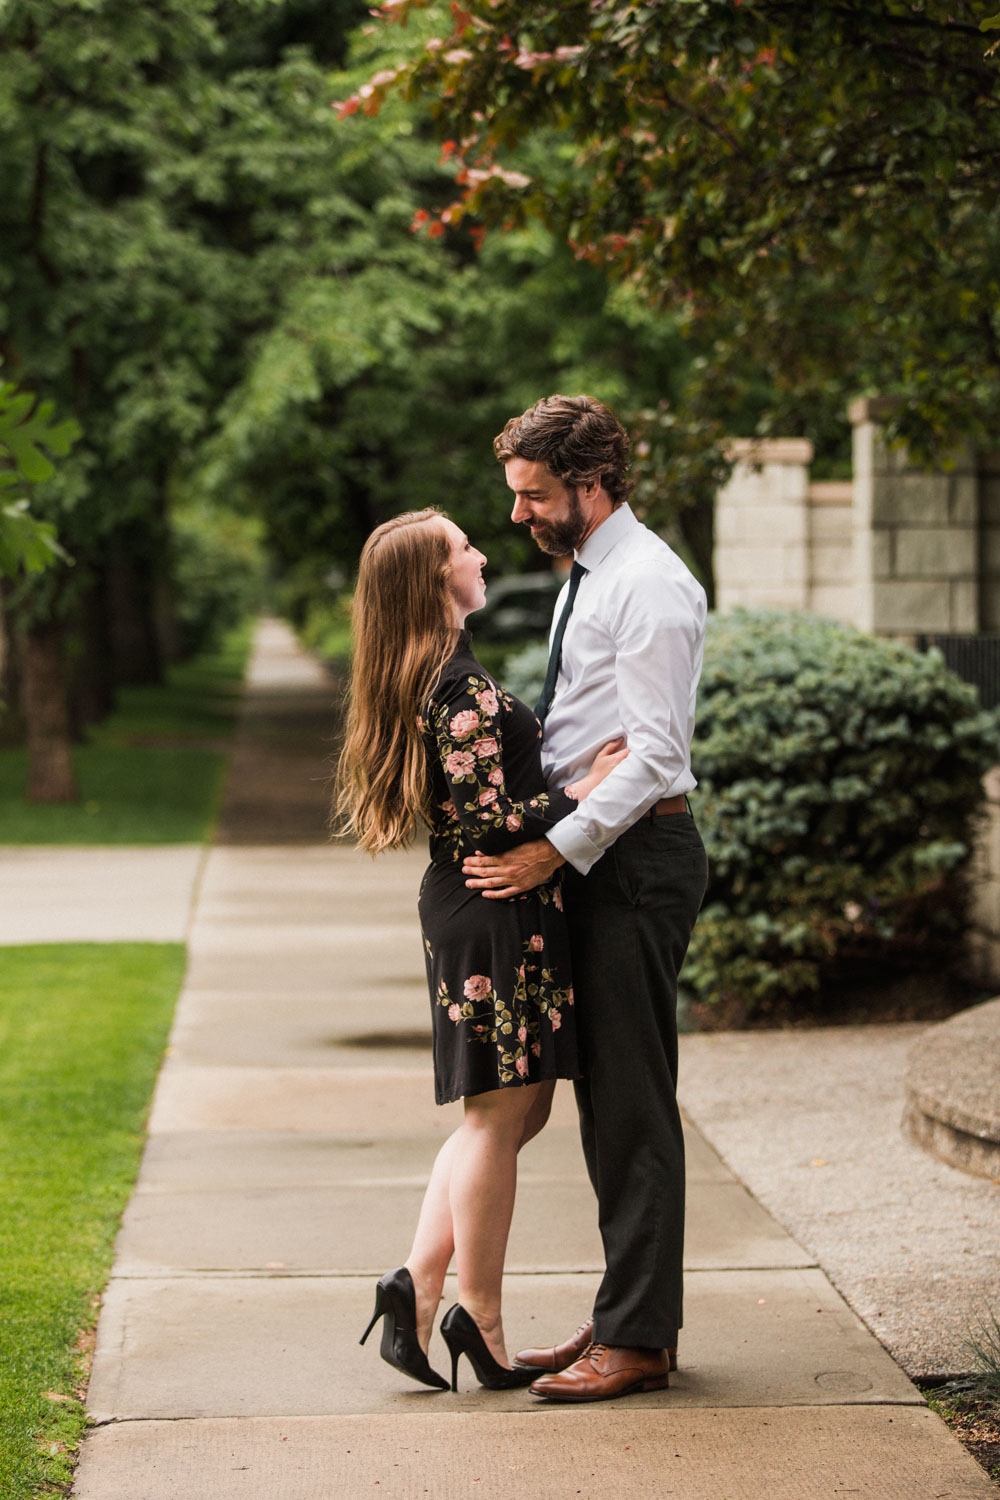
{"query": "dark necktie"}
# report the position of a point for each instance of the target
(555, 654)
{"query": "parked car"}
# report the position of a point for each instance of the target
(517, 606)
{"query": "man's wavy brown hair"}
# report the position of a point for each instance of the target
(576, 437)
(404, 632)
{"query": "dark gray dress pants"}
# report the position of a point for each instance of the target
(630, 922)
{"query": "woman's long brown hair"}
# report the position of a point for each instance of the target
(404, 632)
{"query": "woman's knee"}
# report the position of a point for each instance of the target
(538, 1114)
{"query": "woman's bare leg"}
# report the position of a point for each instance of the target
(483, 1185)
(470, 1199)
(433, 1239)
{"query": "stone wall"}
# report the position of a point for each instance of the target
(896, 550)
(916, 535)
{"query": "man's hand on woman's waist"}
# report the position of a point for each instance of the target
(510, 874)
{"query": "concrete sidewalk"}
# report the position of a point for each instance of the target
(291, 1136)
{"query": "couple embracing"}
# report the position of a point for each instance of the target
(565, 876)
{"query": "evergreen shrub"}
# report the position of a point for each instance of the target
(839, 776)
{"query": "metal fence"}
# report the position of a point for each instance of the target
(974, 658)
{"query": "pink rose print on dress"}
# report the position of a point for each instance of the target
(464, 723)
(536, 942)
(557, 899)
(496, 777)
(522, 1066)
(448, 808)
(536, 1049)
(454, 1011)
(569, 995)
(522, 1034)
(513, 822)
(556, 1019)
(460, 763)
(477, 987)
(487, 796)
(488, 702)
(483, 748)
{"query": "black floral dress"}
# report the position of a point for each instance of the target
(498, 971)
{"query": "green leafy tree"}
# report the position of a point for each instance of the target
(149, 161)
(812, 188)
(28, 435)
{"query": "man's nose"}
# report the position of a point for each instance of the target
(521, 512)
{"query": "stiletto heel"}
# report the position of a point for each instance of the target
(376, 1314)
(461, 1333)
(396, 1302)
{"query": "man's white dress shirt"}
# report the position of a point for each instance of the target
(631, 660)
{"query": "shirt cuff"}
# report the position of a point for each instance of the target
(574, 845)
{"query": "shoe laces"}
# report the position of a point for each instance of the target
(594, 1351)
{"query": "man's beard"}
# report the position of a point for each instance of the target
(559, 538)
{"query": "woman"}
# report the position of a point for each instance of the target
(431, 737)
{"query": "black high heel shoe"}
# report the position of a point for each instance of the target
(461, 1333)
(396, 1302)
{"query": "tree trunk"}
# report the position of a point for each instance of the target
(46, 711)
(135, 648)
(92, 682)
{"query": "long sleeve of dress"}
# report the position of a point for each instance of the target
(466, 720)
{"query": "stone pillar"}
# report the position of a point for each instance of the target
(832, 586)
(762, 526)
(916, 534)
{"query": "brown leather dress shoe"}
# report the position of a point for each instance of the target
(561, 1356)
(604, 1372)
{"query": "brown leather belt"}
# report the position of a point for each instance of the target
(668, 805)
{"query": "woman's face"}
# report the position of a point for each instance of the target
(465, 582)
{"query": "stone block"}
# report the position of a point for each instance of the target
(835, 602)
(795, 568)
(833, 564)
(964, 606)
(830, 523)
(778, 596)
(746, 565)
(989, 551)
(989, 499)
(964, 498)
(872, 409)
(984, 907)
(730, 522)
(757, 451)
(911, 499)
(936, 552)
(874, 553)
(791, 482)
(831, 492)
(900, 607)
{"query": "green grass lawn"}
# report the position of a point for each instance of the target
(82, 1031)
(152, 773)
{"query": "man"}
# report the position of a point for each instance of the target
(628, 665)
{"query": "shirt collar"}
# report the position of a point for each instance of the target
(610, 532)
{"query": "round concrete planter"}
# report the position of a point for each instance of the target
(953, 1091)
